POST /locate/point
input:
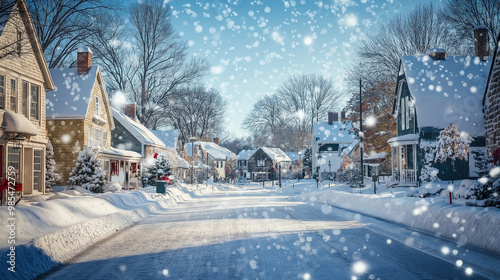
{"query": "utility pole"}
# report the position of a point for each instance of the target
(361, 135)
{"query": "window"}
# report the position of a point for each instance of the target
(2, 92)
(105, 139)
(89, 135)
(25, 99)
(403, 113)
(19, 42)
(13, 95)
(97, 107)
(13, 158)
(261, 162)
(407, 112)
(35, 102)
(37, 170)
(97, 138)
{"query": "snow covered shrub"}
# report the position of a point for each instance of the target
(161, 168)
(51, 177)
(113, 187)
(465, 190)
(351, 177)
(429, 173)
(486, 191)
(481, 162)
(88, 172)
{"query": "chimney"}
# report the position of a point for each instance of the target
(342, 116)
(437, 54)
(481, 42)
(131, 111)
(83, 61)
(216, 140)
(333, 117)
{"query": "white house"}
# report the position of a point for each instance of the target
(328, 140)
(242, 168)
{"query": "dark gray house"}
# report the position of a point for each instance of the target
(265, 162)
(432, 91)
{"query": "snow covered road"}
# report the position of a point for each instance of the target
(260, 234)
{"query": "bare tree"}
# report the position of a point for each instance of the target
(113, 51)
(162, 64)
(286, 118)
(196, 112)
(62, 25)
(410, 34)
(465, 15)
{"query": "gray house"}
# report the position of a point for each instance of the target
(432, 91)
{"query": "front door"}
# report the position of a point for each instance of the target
(27, 167)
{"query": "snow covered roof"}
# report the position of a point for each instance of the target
(374, 156)
(72, 95)
(138, 130)
(338, 132)
(448, 91)
(245, 154)
(293, 156)
(276, 154)
(215, 151)
(347, 151)
(175, 160)
(405, 139)
(17, 123)
(120, 152)
(169, 137)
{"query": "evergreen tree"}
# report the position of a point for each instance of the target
(307, 158)
(88, 172)
(51, 177)
(161, 168)
(452, 144)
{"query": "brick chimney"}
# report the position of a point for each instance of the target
(333, 117)
(83, 61)
(131, 111)
(216, 140)
(342, 116)
(437, 54)
(481, 42)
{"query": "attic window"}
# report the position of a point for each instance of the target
(19, 42)
(97, 107)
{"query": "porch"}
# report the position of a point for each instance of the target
(404, 159)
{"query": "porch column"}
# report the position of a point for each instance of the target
(415, 161)
(400, 163)
(393, 167)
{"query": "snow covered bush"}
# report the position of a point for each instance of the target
(453, 144)
(51, 177)
(481, 162)
(351, 177)
(486, 191)
(465, 190)
(161, 168)
(429, 172)
(113, 187)
(88, 172)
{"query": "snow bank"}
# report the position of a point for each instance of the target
(465, 225)
(57, 229)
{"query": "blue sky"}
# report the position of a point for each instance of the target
(253, 46)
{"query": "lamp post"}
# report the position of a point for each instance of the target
(192, 156)
(279, 172)
(329, 168)
(207, 168)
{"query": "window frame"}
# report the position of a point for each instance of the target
(25, 98)
(36, 102)
(3, 100)
(97, 106)
(13, 95)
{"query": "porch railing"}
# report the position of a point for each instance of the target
(409, 175)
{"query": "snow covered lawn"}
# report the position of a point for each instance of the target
(476, 226)
(54, 228)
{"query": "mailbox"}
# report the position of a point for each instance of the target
(374, 178)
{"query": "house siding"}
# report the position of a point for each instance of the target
(25, 67)
(259, 155)
(405, 93)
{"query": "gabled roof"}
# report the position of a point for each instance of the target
(245, 154)
(275, 154)
(73, 93)
(34, 40)
(292, 155)
(215, 151)
(337, 132)
(138, 130)
(447, 91)
(169, 137)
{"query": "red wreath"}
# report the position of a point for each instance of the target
(4, 185)
(18, 187)
(156, 155)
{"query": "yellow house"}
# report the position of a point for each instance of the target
(79, 115)
(24, 79)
